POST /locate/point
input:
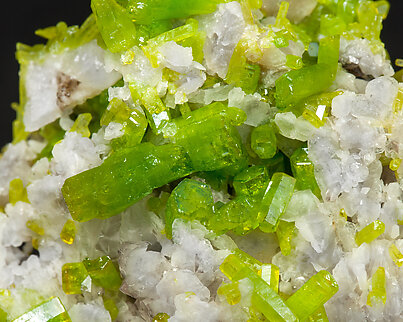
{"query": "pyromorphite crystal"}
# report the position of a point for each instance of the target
(312, 295)
(231, 292)
(275, 201)
(251, 180)
(264, 298)
(396, 255)
(377, 295)
(263, 141)
(161, 317)
(296, 85)
(145, 12)
(75, 278)
(81, 125)
(115, 25)
(17, 191)
(68, 233)
(370, 232)
(49, 311)
(270, 273)
(124, 178)
(285, 232)
(303, 171)
(103, 272)
(190, 200)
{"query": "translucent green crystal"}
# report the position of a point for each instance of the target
(231, 292)
(161, 317)
(303, 170)
(145, 12)
(285, 233)
(264, 141)
(296, 85)
(52, 133)
(312, 295)
(68, 233)
(81, 125)
(49, 311)
(17, 191)
(396, 255)
(210, 137)
(115, 25)
(241, 73)
(36, 227)
(75, 278)
(264, 298)
(251, 180)
(190, 200)
(276, 199)
(134, 123)
(370, 232)
(377, 295)
(103, 272)
(270, 273)
(125, 177)
(110, 306)
(294, 62)
(148, 96)
(319, 316)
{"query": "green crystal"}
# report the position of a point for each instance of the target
(276, 199)
(312, 295)
(303, 170)
(251, 180)
(297, 85)
(264, 298)
(49, 311)
(115, 25)
(190, 200)
(241, 73)
(270, 273)
(17, 191)
(75, 278)
(68, 233)
(396, 255)
(264, 141)
(377, 294)
(319, 316)
(231, 292)
(125, 177)
(81, 125)
(370, 232)
(285, 233)
(103, 273)
(145, 12)
(161, 317)
(110, 306)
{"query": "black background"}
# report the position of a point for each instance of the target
(20, 19)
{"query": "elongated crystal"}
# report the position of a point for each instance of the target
(285, 233)
(275, 201)
(264, 141)
(312, 295)
(17, 191)
(115, 25)
(319, 316)
(303, 170)
(377, 295)
(111, 307)
(190, 200)
(49, 311)
(270, 273)
(103, 272)
(145, 12)
(264, 298)
(370, 232)
(396, 255)
(75, 278)
(231, 292)
(251, 180)
(124, 178)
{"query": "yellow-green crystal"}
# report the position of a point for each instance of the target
(35, 227)
(161, 317)
(49, 311)
(75, 278)
(319, 316)
(312, 295)
(396, 255)
(285, 233)
(270, 273)
(103, 272)
(17, 191)
(251, 180)
(263, 141)
(231, 292)
(111, 307)
(81, 125)
(277, 196)
(370, 232)
(303, 170)
(377, 295)
(68, 233)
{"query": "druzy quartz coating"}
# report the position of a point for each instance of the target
(206, 161)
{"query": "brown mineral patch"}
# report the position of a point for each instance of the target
(65, 87)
